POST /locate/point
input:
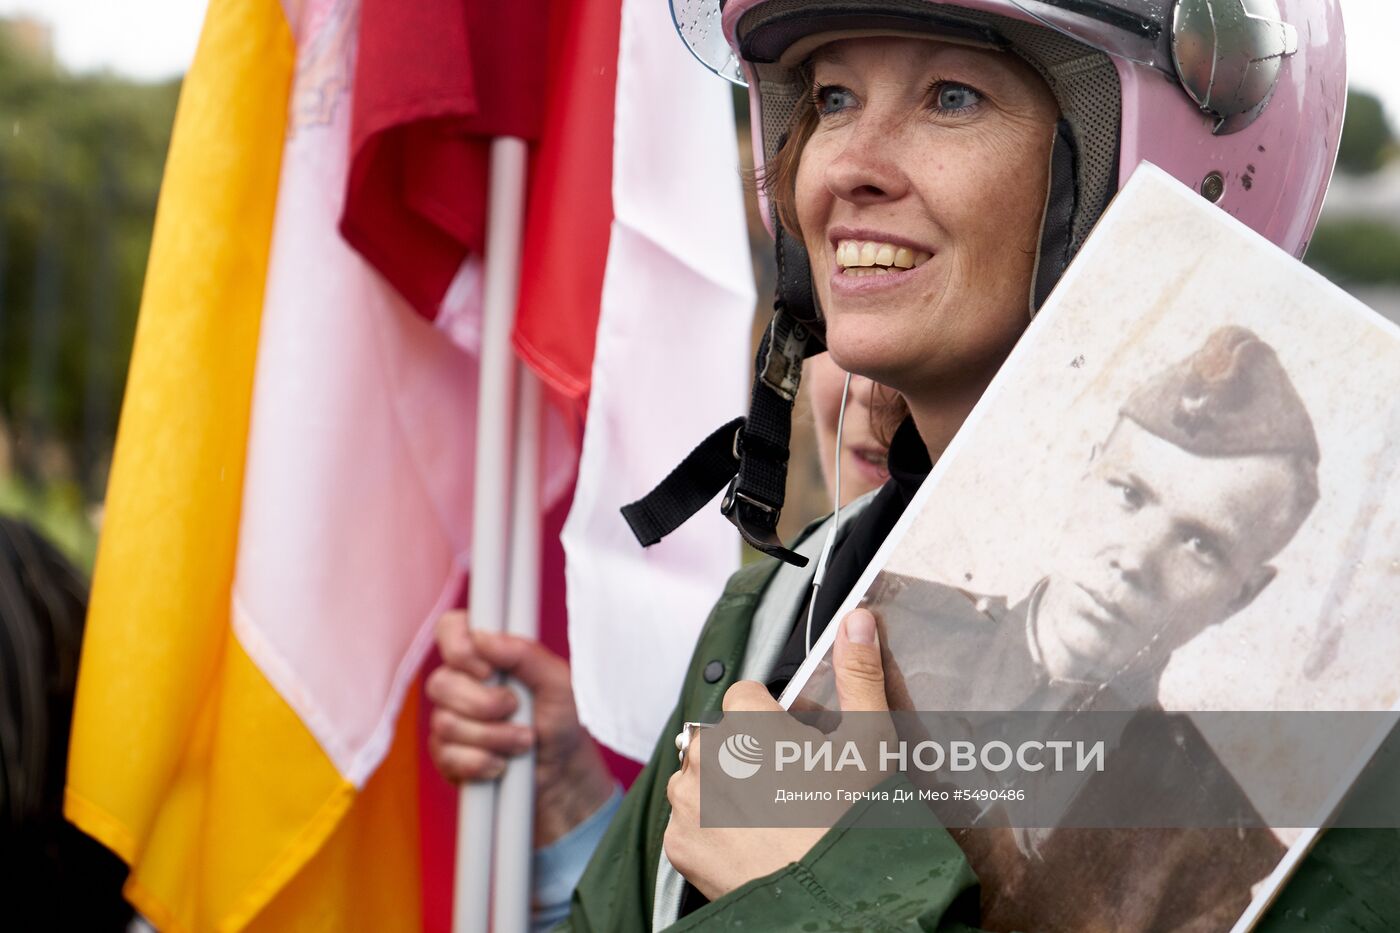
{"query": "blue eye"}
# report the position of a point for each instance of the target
(832, 98)
(950, 96)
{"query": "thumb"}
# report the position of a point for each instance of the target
(860, 675)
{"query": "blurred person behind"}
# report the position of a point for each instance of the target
(52, 876)
(872, 414)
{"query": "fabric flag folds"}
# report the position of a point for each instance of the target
(287, 514)
(435, 81)
(289, 504)
(670, 364)
(637, 284)
(570, 211)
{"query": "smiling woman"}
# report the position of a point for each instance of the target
(932, 167)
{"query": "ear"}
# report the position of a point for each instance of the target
(1262, 576)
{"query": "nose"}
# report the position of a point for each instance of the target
(868, 169)
(1128, 565)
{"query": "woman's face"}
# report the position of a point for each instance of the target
(920, 195)
(863, 456)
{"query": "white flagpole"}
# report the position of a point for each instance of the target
(515, 813)
(487, 599)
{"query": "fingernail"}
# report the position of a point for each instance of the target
(524, 738)
(495, 768)
(860, 628)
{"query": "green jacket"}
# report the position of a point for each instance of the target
(911, 879)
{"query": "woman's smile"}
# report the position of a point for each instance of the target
(868, 261)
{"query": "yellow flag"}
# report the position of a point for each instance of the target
(184, 759)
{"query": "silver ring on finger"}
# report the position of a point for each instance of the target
(686, 736)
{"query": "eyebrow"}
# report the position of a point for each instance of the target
(828, 54)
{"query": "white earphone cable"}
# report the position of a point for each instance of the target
(830, 542)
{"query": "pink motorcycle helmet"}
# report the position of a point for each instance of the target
(1241, 100)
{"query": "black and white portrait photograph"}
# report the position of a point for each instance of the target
(1176, 497)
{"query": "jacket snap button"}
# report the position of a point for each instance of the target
(714, 671)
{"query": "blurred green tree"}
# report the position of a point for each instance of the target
(1356, 251)
(1367, 140)
(81, 158)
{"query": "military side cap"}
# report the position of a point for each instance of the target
(1231, 398)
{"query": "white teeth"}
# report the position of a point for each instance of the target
(868, 256)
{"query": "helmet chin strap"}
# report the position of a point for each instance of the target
(750, 454)
(1056, 225)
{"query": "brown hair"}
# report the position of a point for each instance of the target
(888, 409)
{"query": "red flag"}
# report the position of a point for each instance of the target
(434, 81)
(570, 209)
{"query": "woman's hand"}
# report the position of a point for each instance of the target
(719, 859)
(471, 735)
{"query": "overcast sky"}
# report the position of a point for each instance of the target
(156, 38)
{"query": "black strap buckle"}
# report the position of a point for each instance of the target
(757, 523)
(750, 453)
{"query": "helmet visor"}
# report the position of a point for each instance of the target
(698, 22)
(1136, 30)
